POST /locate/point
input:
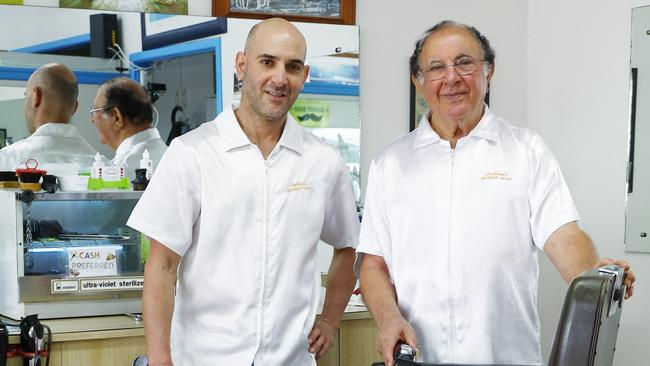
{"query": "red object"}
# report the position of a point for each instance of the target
(17, 352)
(28, 169)
(357, 291)
(29, 174)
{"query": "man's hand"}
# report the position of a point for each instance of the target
(321, 337)
(392, 331)
(629, 275)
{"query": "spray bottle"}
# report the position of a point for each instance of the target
(146, 163)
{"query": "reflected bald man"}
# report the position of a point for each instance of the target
(50, 102)
(240, 205)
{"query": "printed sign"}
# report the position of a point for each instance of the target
(311, 113)
(112, 284)
(92, 261)
(64, 286)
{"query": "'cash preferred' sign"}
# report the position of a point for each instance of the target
(92, 261)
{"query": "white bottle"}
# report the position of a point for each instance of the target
(98, 167)
(146, 163)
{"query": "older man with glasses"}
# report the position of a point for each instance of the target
(123, 116)
(455, 213)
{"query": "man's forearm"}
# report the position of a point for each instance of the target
(158, 306)
(571, 251)
(378, 293)
(340, 284)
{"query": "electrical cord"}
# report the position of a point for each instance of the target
(117, 50)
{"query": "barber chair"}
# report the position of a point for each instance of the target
(588, 326)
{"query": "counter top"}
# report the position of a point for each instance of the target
(119, 326)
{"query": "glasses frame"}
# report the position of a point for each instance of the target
(92, 111)
(455, 65)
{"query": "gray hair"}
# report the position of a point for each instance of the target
(488, 51)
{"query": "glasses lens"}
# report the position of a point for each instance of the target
(435, 71)
(465, 66)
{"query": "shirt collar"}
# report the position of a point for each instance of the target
(137, 138)
(234, 137)
(487, 128)
(56, 129)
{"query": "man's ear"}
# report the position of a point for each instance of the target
(76, 105)
(490, 73)
(417, 84)
(240, 65)
(38, 96)
(118, 119)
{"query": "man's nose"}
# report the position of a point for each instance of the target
(279, 76)
(451, 74)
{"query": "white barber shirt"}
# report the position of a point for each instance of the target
(50, 143)
(247, 229)
(129, 153)
(458, 230)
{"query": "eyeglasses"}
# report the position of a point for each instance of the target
(438, 70)
(94, 110)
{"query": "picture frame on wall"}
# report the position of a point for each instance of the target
(3, 137)
(418, 106)
(314, 11)
(159, 30)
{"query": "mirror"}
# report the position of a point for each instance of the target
(202, 82)
(637, 215)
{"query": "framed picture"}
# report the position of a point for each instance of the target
(3, 137)
(418, 106)
(160, 30)
(315, 11)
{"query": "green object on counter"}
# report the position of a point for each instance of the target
(98, 183)
(145, 244)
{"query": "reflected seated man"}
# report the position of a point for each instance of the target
(123, 115)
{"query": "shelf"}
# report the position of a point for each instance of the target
(87, 196)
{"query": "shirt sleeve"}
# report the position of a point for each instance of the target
(6, 163)
(341, 225)
(375, 233)
(170, 206)
(551, 205)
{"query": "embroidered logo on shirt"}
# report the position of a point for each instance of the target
(299, 186)
(495, 175)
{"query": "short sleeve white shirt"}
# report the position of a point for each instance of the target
(458, 230)
(130, 151)
(50, 143)
(247, 230)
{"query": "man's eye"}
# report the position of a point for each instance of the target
(436, 68)
(294, 67)
(266, 61)
(465, 62)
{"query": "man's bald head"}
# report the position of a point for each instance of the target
(274, 26)
(58, 83)
(50, 96)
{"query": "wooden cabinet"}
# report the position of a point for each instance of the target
(117, 340)
(356, 343)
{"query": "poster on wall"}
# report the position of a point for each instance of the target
(311, 113)
(147, 6)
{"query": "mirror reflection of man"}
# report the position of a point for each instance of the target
(454, 214)
(240, 204)
(50, 102)
(123, 115)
